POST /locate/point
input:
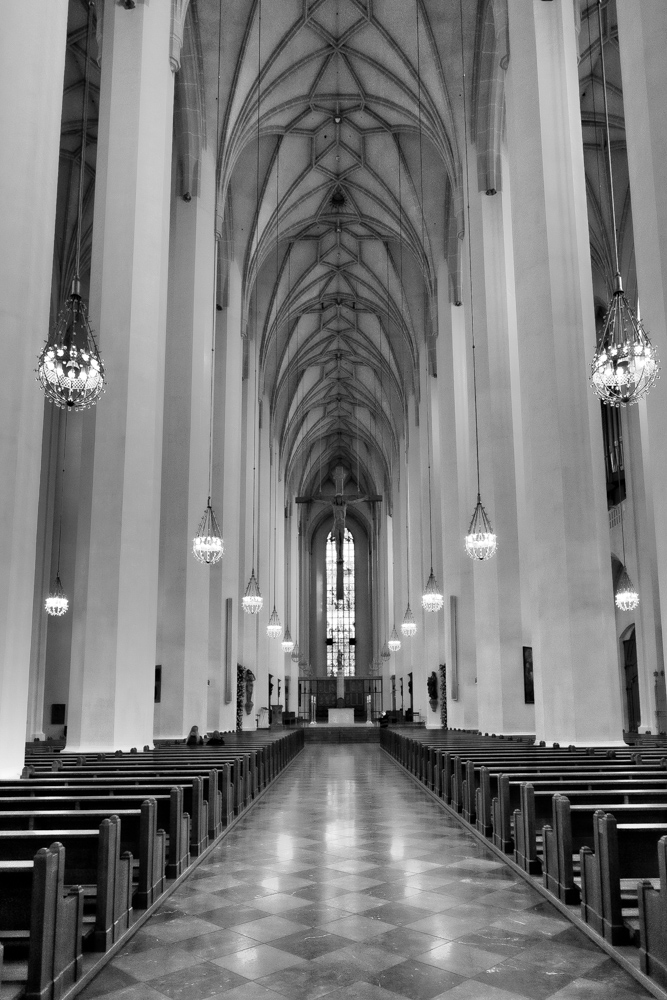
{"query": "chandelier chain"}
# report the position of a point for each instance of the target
(62, 489)
(608, 139)
(472, 295)
(84, 142)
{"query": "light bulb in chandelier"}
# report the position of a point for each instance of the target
(287, 643)
(70, 369)
(295, 653)
(394, 642)
(626, 597)
(625, 365)
(252, 599)
(385, 654)
(274, 629)
(207, 545)
(481, 542)
(432, 599)
(56, 604)
(409, 625)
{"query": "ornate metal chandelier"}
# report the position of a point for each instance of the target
(207, 545)
(626, 597)
(56, 603)
(408, 625)
(480, 542)
(274, 629)
(385, 654)
(432, 599)
(69, 368)
(295, 653)
(625, 364)
(287, 644)
(252, 599)
(394, 642)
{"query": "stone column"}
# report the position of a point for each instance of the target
(115, 602)
(184, 583)
(577, 682)
(497, 583)
(642, 29)
(227, 472)
(32, 62)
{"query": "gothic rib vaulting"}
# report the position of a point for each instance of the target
(392, 221)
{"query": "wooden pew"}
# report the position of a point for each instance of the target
(652, 907)
(42, 920)
(623, 853)
(139, 836)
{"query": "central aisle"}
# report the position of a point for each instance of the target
(347, 881)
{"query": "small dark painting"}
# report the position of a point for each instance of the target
(528, 687)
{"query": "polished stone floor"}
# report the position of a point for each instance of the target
(347, 881)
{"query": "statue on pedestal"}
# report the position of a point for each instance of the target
(340, 680)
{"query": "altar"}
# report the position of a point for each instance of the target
(341, 716)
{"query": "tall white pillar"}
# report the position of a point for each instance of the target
(642, 29)
(227, 474)
(577, 682)
(497, 584)
(184, 583)
(115, 603)
(31, 80)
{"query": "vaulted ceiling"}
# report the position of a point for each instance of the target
(340, 145)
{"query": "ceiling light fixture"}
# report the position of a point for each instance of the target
(625, 365)
(69, 368)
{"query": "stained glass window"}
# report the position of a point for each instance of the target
(340, 613)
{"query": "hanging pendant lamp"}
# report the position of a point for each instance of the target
(56, 603)
(625, 364)
(408, 625)
(252, 601)
(432, 599)
(287, 643)
(385, 652)
(480, 541)
(207, 545)
(394, 642)
(69, 368)
(295, 653)
(626, 597)
(274, 629)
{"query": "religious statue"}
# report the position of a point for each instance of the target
(340, 679)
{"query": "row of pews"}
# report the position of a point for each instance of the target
(88, 844)
(589, 823)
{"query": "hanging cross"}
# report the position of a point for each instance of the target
(339, 503)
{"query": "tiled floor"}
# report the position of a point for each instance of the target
(347, 881)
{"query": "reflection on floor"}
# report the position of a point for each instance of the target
(347, 881)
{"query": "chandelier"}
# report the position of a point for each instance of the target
(274, 629)
(394, 643)
(432, 599)
(385, 653)
(625, 364)
(56, 603)
(295, 653)
(287, 643)
(626, 597)
(207, 545)
(409, 625)
(252, 599)
(69, 368)
(480, 541)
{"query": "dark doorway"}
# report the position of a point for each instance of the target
(631, 681)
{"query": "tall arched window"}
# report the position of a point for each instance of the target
(341, 637)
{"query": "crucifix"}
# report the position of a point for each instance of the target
(339, 504)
